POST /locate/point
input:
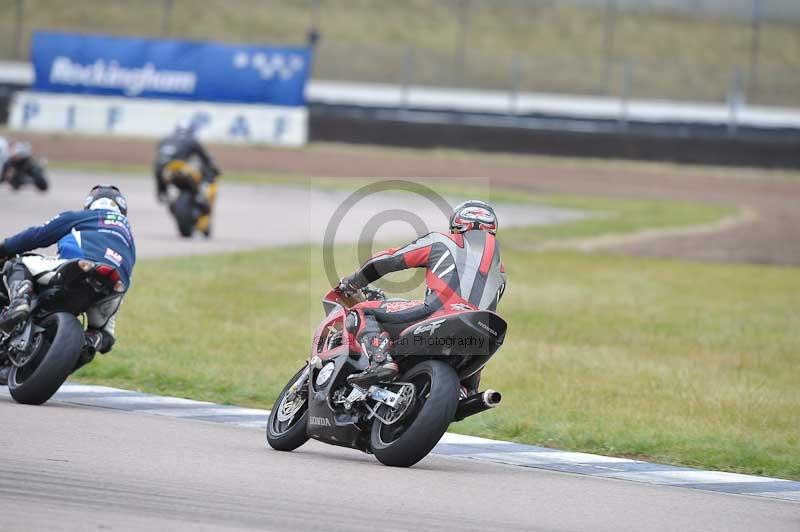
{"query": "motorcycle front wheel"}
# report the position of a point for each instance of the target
(286, 428)
(54, 358)
(409, 439)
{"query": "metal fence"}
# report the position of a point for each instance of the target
(695, 50)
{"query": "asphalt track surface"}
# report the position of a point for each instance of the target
(770, 236)
(68, 467)
(251, 216)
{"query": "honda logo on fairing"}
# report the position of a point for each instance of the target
(317, 420)
(431, 327)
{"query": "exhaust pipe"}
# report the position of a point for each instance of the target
(475, 404)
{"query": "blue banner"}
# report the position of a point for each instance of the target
(170, 69)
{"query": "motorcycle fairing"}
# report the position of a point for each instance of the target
(473, 335)
(324, 423)
(73, 290)
(182, 174)
(324, 337)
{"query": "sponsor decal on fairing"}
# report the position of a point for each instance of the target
(429, 328)
(113, 256)
(320, 421)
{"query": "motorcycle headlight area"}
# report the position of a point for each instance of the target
(325, 374)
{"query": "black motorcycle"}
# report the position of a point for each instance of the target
(51, 344)
(399, 422)
(190, 204)
(22, 168)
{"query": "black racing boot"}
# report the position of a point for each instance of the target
(4, 371)
(382, 369)
(19, 308)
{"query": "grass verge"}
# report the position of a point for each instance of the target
(675, 362)
(541, 46)
(681, 363)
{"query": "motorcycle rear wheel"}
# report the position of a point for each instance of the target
(37, 381)
(288, 434)
(413, 436)
(183, 210)
(39, 179)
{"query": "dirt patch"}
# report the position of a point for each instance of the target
(770, 236)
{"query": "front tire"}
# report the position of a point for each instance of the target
(286, 428)
(411, 438)
(61, 346)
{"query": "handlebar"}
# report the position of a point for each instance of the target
(368, 293)
(372, 293)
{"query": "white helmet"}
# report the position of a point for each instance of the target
(106, 197)
(473, 214)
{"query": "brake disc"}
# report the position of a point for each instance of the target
(405, 402)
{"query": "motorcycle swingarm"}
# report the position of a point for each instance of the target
(22, 341)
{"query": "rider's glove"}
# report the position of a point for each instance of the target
(347, 286)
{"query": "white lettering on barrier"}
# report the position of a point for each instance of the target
(133, 81)
(110, 115)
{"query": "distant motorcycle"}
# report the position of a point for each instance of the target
(22, 168)
(190, 203)
(399, 422)
(45, 349)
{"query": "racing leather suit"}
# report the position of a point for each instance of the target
(461, 269)
(102, 236)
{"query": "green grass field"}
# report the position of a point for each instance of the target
(558, 46)
(676, 362)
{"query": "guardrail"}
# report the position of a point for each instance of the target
(508, 107)
(540, 123)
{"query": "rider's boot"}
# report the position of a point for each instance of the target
(382, 367)
(204, 225)
(208, 192)
(19, 308)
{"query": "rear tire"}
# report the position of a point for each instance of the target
(66, 338)
(408, 441)
(183, 210)
(283, 435)
(39, 179)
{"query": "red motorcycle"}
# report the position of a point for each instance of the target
(399, 422)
